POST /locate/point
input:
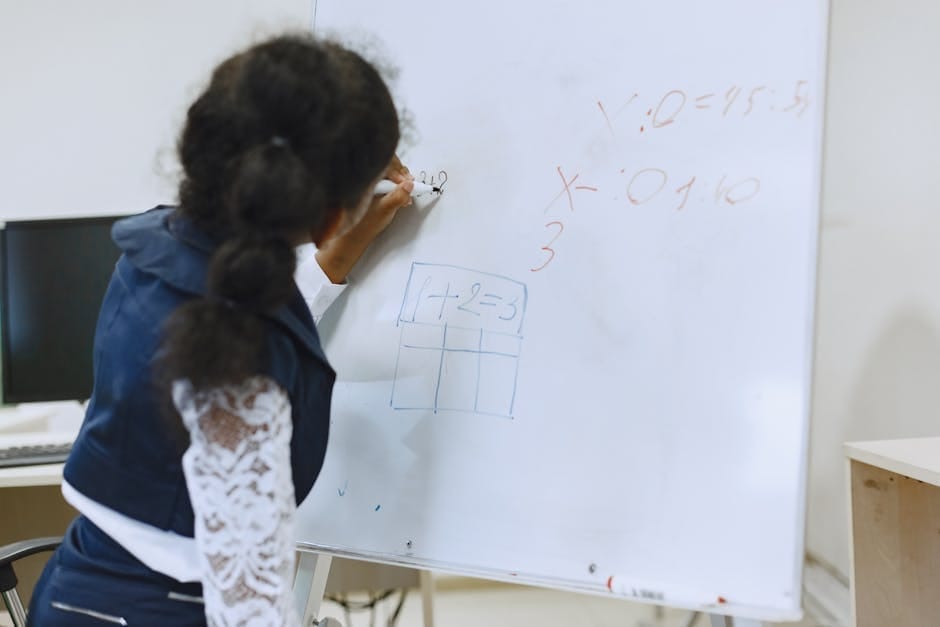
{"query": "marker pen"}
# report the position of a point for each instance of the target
(385, 187)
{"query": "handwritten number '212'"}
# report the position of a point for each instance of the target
(548, 247)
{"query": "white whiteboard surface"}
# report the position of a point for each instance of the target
(95, 93)
(621, 276)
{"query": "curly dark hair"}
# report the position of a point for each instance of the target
(288, 134)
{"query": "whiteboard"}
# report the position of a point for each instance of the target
(587, 364)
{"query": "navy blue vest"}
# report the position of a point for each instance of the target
(127, 455)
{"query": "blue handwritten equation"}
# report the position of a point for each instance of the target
(460, 341)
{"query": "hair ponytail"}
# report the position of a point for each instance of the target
(271, 190)
(287, 134)
(219, 338)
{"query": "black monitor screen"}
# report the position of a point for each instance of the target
(54, 276)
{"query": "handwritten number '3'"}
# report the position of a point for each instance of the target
(515, 309)
(548, 247)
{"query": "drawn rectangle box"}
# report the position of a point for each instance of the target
(436, 294)
(463, 339)
(459, 371)
(419, 359)
(502, 343)
(415, 386)
(496, 386)
(422, 335)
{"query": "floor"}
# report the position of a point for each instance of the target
(472, 604)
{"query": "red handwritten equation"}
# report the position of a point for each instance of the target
(733, 102)
(647, 185)
(659, 186)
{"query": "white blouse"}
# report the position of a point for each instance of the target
(314, 285)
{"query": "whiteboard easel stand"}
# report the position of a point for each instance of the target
(718, 620)
(313, 570)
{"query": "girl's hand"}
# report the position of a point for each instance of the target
(383, 209)
(397, 172)
(338, 255)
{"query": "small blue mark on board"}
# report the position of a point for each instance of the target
(378, 507)
(342, 491)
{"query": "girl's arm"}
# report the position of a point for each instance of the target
(238, 475)
(338, 255)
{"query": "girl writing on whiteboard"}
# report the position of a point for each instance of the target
(210, 412)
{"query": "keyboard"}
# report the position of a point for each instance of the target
(35, 447)
(33, 454)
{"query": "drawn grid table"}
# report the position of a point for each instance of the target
(460, 342)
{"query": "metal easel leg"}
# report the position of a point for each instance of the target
(731, 621)
(427, 597)
(659, 613)
(310, 585)
(691, 619)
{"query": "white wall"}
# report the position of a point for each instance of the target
(878, 317)
(92, 95)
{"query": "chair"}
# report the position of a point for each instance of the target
(10, 554)
(350, 575)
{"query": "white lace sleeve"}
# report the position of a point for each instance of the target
(238, 474)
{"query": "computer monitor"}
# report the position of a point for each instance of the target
(53, 276)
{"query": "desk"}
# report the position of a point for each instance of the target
(31, 505)
(25, 476)
(895, 527)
